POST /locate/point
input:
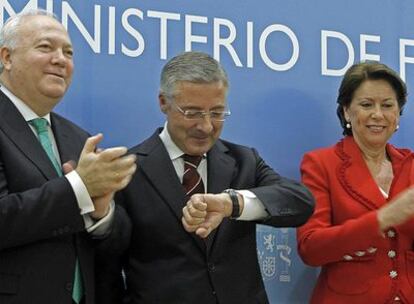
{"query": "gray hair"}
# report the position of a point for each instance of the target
(9, 37)
(195, 67)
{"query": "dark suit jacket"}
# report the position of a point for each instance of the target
(41, 229)
(164, 263)
(343, 235)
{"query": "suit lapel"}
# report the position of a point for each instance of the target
(354, 175)
(19, 132)
(221, 169)
(66, 148)
(156, 164)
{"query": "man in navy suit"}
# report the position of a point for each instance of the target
(48, 211)
(186, 248)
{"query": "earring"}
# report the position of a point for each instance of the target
(348, 125)
(397, 127)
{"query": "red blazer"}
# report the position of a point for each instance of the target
(359, 264)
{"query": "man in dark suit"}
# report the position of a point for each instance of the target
(188, 248)
(47, 210)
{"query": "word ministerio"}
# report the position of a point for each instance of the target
(223, 37)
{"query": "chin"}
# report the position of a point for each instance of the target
(198, 150)
(55, 92)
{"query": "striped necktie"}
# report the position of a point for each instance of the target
(40, 125)
(192, 181)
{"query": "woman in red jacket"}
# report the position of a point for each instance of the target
(362, 230)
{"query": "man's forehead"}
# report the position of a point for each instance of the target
(43, 27)
(43, 22)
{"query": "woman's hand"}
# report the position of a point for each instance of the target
(397, 211)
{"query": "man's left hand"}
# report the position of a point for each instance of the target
(204, 212)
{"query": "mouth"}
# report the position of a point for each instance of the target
(58, 75)
(200, 138)
(376, 128)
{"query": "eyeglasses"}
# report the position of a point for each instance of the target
(196, 115)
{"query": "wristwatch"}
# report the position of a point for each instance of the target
(235, 201)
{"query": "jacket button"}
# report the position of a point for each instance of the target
(69, 286)
(391, 254)
(391, 233)
(211, 267)
(372, 249)
(347, 257)
(393, 274)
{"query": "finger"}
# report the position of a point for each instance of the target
(121, 169)
(132, 169)
(68, 166)
(203, 232)
(125, 182)
(113, 153)
(190, 220)
(124, 163)
(188, 227)
(197, 201)
(195, 212)
(92, 142)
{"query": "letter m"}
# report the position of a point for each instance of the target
(5, 6)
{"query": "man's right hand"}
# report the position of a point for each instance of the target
(105, 171)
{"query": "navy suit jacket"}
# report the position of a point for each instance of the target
(41, 229)
(165, 264)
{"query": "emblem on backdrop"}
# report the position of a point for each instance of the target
(273, 251)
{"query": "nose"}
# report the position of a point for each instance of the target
(205, 124)
(377, 112)
(59, 57)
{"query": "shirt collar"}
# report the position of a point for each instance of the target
(173, 151)
(23, 108)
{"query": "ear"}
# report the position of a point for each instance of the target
(164, 105)
(5, 58)
(346, 114)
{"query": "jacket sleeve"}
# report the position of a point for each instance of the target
(110, 258)
(288, 202)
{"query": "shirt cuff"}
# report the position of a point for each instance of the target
(102, 226)
(253, 208)
(82, 195)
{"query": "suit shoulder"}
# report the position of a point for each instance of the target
(69, 125)
(232, 147)
(147, 145)
(236, 150)
(321, 152)
(326, 155)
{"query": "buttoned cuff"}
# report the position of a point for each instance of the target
(253, 208)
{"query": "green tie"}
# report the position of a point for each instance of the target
(40, 125)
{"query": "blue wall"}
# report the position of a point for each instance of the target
(284, 60)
